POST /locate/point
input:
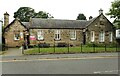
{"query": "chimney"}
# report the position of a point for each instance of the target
(6, 19)
(100, 11)
(90, 17)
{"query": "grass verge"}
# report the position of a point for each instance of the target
(59, 50)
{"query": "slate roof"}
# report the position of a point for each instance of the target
(57, 23)
(26, 24)
(39, 23)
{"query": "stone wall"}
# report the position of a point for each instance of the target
(64, 35)
(100, 25)
(15, 27)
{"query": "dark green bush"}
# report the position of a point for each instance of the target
(111, 45)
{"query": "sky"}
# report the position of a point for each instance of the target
(59, 9)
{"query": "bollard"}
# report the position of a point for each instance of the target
(105, 48)
(22, 49)
(116, 47)
(94, 48)
(39, 47)
(81, 48)
(54, 47)
(68, 48)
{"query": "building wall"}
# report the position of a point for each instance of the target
(16, 27)
(64, 34)
(97, 27)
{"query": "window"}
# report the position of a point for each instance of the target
(92, 36)
(101, 23)
(40, 35)
(110, 36)
(57, 34)
(72, 34)
(16, 36)
(101, 36)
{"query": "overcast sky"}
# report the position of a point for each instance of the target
(59, 9)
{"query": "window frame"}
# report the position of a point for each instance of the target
(40, 33)
(102, 36)
(92, 36)
(110, 36)
(15, 38)
(73, 35)
(57, 35)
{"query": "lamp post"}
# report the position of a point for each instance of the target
(26, 38)
(1, 22)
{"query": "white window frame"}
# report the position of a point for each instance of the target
(92, 35)
(73, 34)
(15, 38)
(110, 36)
(102, 36)
(57, 35)
(40, 35)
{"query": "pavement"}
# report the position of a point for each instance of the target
(13, 52)
(16, 54)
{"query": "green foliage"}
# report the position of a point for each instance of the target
(24, 14)
(90, 17)
(110, 45)
(42, 14)
(81, 16)
(114, 12)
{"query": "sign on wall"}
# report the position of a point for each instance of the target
(21, 35)
(32, 37)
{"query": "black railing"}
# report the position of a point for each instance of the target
(93, 48)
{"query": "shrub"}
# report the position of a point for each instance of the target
(3, 47)
(91, 45)
(44, 45)
(61, 44)
(111, 45)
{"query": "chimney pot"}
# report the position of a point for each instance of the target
(101, 11)
(6, 19)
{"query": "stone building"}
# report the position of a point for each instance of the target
(14, 32)
(74, 32)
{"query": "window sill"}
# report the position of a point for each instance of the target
(16, 40)
(57, 39)
(40, 40)
(92, 41)
(73, 39)
(110, 41)
(101, 42)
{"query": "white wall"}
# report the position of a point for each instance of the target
(118, 33)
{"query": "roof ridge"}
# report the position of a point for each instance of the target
(59, 19)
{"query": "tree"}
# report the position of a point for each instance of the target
(90, 17)
(24, 14)
(81, 16)
(42, 14)
(114, 12)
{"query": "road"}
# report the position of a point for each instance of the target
(80, 65)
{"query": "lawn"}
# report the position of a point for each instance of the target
(84, 49)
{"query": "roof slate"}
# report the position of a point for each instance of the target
(57, 23)
(26, 24)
